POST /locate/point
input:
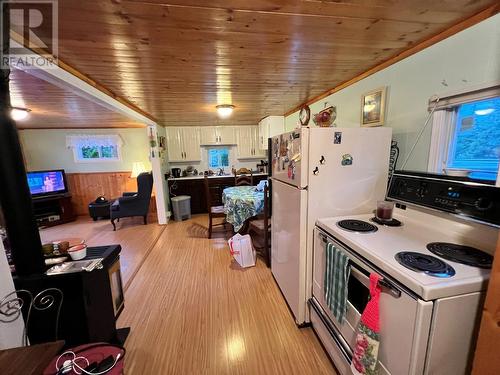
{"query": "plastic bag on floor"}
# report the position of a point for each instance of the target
(242, 250)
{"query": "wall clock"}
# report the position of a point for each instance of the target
(304, 115)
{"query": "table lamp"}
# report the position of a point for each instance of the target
(137, 168)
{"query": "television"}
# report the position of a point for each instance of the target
(44, 183)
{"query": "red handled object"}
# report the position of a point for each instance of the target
(93, 353)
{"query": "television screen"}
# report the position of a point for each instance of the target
(47, 182)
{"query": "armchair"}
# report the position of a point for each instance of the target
(134, 204)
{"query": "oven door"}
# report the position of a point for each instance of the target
(404, 319)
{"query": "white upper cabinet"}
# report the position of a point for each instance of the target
(174, 144)
(244, 142)
(183, 144)
(269, 127)
(257, 151)
(226, 135)
(191, 144)
(217, 135)
(208, 135)
(247, 141)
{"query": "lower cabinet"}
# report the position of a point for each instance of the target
(195, 188)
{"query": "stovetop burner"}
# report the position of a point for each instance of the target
(390, 223)
(428, 264)
(357, 226)
(461, 254)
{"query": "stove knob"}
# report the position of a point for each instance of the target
(483, 204)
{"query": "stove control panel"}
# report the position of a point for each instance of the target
(462, 196)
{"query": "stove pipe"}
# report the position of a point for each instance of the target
(15, 197)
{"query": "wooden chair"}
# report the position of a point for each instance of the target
(213, 211)
(260, 231)
(243, 177)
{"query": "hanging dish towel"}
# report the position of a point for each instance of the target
(365, 357)
(335, 285)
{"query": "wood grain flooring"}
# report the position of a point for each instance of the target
(136, 239)
(193, 311)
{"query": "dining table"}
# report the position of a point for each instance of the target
(241, 203)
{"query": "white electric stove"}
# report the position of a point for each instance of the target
(435, 268)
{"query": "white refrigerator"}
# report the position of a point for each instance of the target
(319, 172)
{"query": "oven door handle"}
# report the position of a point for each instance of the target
(360, 276)
(364, 279)
(364, 276)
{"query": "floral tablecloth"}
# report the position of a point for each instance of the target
(241, 203)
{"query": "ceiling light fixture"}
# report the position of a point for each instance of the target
(225, 110)
(18, 113)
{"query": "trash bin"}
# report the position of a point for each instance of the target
(181, 206)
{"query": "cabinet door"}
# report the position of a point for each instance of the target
(208, 135)
(269, 127)
(256, 138)
(191, 144)
(195, 188)
(245, 143)
(263, 133)
(225, 135)
(276, 125)
(174, 145)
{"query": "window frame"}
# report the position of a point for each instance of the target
(220, 159)
(443, 131)
(76, 143)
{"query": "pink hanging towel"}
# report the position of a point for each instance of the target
(364, 358)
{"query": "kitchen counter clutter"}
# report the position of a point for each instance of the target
(195, 188)
(211, 177)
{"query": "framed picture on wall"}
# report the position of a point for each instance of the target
(373, 107)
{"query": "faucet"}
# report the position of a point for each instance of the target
(221, 172)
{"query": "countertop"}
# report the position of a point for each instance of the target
(213, 176)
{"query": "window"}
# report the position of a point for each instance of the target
(465, 136)
(218, 157)
(95, 148)
(475, 142)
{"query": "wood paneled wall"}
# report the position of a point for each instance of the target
(86, 187)
(487, 360)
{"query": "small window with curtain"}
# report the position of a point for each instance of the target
(218, 157)
(465, 137)
(95, 148)
(475, 142)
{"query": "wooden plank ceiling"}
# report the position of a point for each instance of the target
(177, 59)
(54, 107)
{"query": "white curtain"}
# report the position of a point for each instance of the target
(80, 140)
(442, 131)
